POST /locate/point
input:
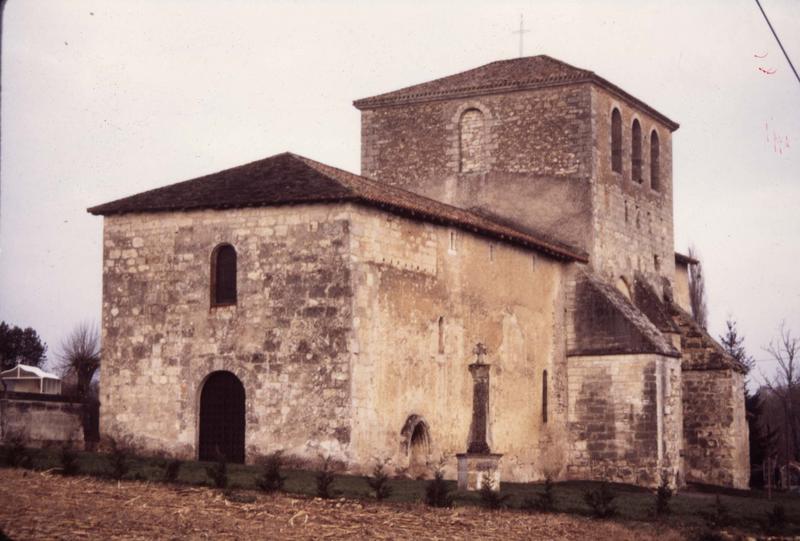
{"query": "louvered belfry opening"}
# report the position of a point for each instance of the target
(222, 420)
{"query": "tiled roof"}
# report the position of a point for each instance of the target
(605, 322)
(286, 179)
(500, 77)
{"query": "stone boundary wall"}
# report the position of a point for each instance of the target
(41, 422)
(624, 418)
(715, 428)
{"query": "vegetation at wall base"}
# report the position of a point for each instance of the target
(15, 452)
(325, 478)
(600, 500)
(172, 468)
(379, 482)
(437, 491)
(776, 520)
(69, 460)
(543, 502)
(689, 507)
(491, 498)
(120, 454)
(271, 479)
(218, 471)
(663, 495)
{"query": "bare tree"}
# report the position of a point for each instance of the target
(784, 385)
(79, 358)
(697, 289)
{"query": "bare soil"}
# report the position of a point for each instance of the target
(42, 505)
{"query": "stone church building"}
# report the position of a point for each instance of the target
(526, 205)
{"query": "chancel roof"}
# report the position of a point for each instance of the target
(500, 77)
(286, 179)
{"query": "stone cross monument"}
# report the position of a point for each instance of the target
(479, 464)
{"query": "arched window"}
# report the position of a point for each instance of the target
(223, 275)
(544, 396)
(655, 151)
(471, 135)
(616, 141)
(636, 152)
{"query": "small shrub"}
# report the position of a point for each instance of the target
(218, 471)
(172, 468)
(437, 492)
(776, 519)
(490, 497)
(325, 478)
(601, 500)
(271, 478)
(69, 460)
(379, 482)
(544, 501)
(663, 495)
(119, 457)
(16, 452)
(718, 517)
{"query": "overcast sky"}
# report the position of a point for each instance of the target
(105, 99)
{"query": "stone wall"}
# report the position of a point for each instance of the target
(533, 165)
(715, 428)
(625, 418)
(424, 296)
(286, 339)
(41, 422)
(632, 222)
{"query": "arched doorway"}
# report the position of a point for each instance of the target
(222, 418)
(417, 443)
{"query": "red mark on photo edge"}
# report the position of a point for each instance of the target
(767, 71)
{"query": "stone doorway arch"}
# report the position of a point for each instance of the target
(222, 418)
(416, 444)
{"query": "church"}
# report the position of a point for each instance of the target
(525, 205)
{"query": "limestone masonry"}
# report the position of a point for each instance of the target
(525, 205)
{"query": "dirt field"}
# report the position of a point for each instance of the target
(36, 505)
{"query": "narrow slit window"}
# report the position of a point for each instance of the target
(616, 141)
(544, 396)
(491, 252)
(223, 275)
(452, 241)
(441, 334)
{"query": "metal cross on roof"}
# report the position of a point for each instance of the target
(522, 30)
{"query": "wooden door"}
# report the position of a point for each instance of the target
(222, 418)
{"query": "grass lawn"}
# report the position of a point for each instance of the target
(746, 510)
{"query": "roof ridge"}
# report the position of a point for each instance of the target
(288, 178)
(534, 72)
